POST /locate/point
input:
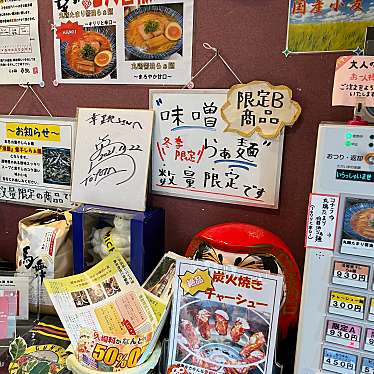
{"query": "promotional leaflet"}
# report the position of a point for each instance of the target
(20, 60)
(35, 157)
(106, 299)
(224, 319)
(116, 352)
(158, 289)
(123, 42)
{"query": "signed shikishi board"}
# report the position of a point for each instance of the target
(112, 157)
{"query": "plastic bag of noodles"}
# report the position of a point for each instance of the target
(44, 250)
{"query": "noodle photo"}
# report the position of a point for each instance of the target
(93, 55)
(153, 32)
(359, 220)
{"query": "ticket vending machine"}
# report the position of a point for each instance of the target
(336, 325)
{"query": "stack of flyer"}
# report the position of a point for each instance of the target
(113, 323)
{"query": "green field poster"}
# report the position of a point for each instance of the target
(328, 25)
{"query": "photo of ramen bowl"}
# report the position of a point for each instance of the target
(92, 56)
(153, 32)
(359, 221)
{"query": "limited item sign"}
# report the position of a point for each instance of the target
(259, 107)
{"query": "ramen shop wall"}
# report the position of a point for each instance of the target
(251, 35)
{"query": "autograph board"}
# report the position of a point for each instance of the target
(112, 158)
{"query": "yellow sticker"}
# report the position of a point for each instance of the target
(109, 243)
(49, 133)
(351, 299)
(192, 283)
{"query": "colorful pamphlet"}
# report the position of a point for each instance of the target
(224, 319)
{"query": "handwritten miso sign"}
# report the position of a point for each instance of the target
(112, 157)
(259, 107)
(194, 157)
(353, 83)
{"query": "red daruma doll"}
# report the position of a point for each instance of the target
(239, 328)
(202, 321)
(222, 322)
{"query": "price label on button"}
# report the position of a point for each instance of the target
(339, 362)
(347, 305)
(371, 311)
(343, 334)
(367, 366)
(369, 340)
(349, 274)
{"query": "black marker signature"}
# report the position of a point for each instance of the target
(110, 162)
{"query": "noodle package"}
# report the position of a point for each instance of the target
(44, 250)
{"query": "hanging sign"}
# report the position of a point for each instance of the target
(259, 107)
(35, 160)
(123, 42)
(112, 159)
(195, 157)
(19, 42)
(325, 26)
(353, 82)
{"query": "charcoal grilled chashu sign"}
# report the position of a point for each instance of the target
(35, 160)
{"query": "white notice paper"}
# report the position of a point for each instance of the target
(322, 221)
(35, 159)
(112, 157)
(19, 42)
(195, 157)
